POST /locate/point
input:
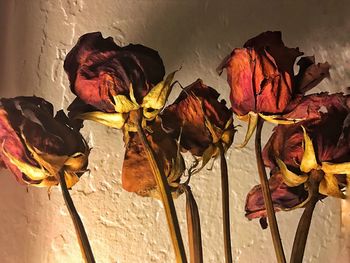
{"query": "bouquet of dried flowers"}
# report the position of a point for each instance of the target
(126, 88)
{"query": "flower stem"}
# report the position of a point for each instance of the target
(225, 205)
(167, 199)
(78, 224)
(193, 227)
(304, 223)
(267, 196)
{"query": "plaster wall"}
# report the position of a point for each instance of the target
(35, 37)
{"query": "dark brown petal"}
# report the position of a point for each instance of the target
(283, 197)
(310, 74)
(271, 41)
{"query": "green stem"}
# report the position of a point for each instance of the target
(225, 205)
(302, 231)
(78, 224)
(167, 199)
(267, 196)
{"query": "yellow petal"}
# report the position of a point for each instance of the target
(276, 119)
(158, 95)
(291, 179)
(114, 120)
(76, 162)
(150, 115)
(33, 172)
(252, 119)
(329, 186)
(336, 168)
(308, 162)
(71, 179)
(123, 105)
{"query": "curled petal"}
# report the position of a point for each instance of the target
(308, 162)
(156, 98)
(336, 168)
(114, 120)
(33, 172)
(291, 179)
(329, 186)
(252, 119)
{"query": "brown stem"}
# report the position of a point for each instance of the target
(267, 196)
(193, 227)
(78, 224)
(225, 205)
(302, 231)
(167, 199)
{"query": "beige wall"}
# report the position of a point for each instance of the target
(36, 35)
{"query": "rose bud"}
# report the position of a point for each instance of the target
(298, 150)
(137, 175)
(262, 79)
(35, 145)
(200, 120)
(111, 80)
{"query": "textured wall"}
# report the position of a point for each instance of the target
(196, 35)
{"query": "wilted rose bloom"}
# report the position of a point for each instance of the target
(35, 145)
(326, 121)
(327, 124)
(261, 75)
(137, 175)
(99, 69)
(192, 115)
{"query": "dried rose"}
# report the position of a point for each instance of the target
(200, 120)
(112, 81)
(312, 145)
(262, 79)
(137, 175)
(35, 145)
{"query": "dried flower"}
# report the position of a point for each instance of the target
(35, 145)
(262, 79)
(200, 120)
(110, 81)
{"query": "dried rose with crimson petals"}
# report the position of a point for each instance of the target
(137, 175)
(200, 120)
(293, 152)
(110, 81)
(262, 80)
(35, 145)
